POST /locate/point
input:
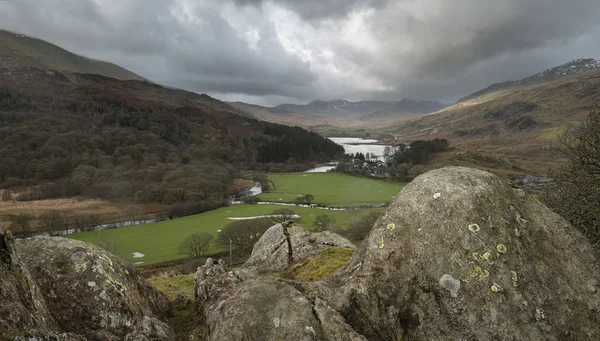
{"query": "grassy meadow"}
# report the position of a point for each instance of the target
(159, 242)
(331, 189)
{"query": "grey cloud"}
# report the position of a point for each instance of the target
(439, 49)
(205, 57)
(319, 9)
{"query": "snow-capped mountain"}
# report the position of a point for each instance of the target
(572, 67)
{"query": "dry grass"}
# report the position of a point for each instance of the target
(106, 211)
(69, 204)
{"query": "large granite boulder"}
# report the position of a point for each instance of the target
(243, 305)
(460, 255)
(61, 289)
(23, 311)
(282, 245)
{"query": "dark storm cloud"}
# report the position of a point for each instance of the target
(200, 51)
(301, 50)
(318, 9)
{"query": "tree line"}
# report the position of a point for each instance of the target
(103, 138)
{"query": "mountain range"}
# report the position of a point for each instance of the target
(324, 112)
(514, 124)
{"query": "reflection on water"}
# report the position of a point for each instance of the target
(322, 169)
(353, 145)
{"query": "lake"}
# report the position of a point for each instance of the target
(352, 145)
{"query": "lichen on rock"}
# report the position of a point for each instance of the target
(71, 290)
(442, 279)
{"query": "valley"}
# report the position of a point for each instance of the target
(308, 171)
(351, 198)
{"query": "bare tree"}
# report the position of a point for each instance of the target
(20, 224)
(575, 194)
(196, 244)
(324, 223)
(134, 213)
(7, 195)
(243, 234)
(110, 244)
(281, 215)
(52, 222)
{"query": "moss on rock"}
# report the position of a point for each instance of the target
(321, 266)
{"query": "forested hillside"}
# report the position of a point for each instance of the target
(80, 134)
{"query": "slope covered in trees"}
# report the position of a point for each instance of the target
(80, 134)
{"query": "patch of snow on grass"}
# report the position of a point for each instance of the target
(138, 255)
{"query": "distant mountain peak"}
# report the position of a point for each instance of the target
(369, 110)
(569, 68)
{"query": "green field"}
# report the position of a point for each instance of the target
(159, 241)
(331, 189)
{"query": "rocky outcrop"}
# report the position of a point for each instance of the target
(282, 245)
(243, 305)
(61, 289)
(458, 255)
(23, 312)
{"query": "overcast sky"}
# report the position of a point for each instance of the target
(271, 52)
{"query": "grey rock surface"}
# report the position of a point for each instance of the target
(243, 305)
(61, 289)
(282, 245)
(459, 255)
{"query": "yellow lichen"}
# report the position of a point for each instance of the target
(477, 271)
(514, 277)
(501, 248)
(380, 242)
(488, 257)
(391, 226)
(474, 228)
(496, 288)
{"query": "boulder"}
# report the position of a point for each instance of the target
(243, 305)
(70, 290)
(282, 245)
(460, 255)
(23, 312)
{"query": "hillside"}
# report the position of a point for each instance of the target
(281, 116)
(364, 109)
(339, 114)
(573, 67)
(404, 108)
(515, 127)
(20, 51)
(85, 134)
